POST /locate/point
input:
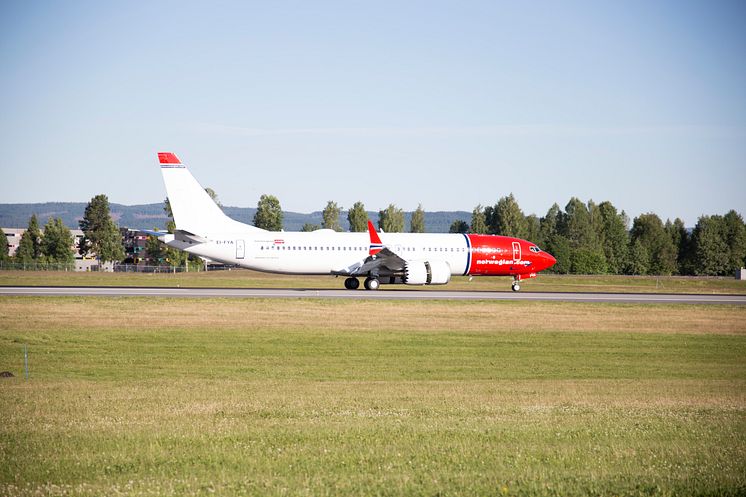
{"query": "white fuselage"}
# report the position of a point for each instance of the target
(323, 251)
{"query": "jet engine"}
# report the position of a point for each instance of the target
(426, 273)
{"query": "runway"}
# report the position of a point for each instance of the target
(288, 293)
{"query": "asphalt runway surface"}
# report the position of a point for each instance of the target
(290, 293)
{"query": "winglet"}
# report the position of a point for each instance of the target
(375, 240)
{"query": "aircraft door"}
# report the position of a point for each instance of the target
(240, 249)
(516, 251)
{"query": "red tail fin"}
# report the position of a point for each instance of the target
(375, 240)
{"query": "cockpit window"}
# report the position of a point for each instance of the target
(534, 249)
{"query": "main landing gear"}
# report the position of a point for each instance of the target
(370, 283)
(516, 285)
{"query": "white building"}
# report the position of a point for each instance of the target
(13, 237)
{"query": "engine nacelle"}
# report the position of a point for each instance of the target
(427, 273)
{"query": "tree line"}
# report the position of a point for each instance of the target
(55, 244)
(391, 220)
(584, 237)
(591, 238)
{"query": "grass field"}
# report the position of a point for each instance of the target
(244, 278)
(266, 397)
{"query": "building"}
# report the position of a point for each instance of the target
(13, 239)
(136, 247)
(134, 242)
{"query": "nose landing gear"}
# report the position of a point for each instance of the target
(520, 277)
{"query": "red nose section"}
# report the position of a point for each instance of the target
(547, 260)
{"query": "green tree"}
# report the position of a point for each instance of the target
(268, 213)
(553, 240)
(459, 226)
(57, 242)
(638, 259)
(614, 237)
(157, 252)
(417, 223)
(710, 247)
(4, 257)
(391, 219)
(579, 227)
(533, 228)
(679, 236)
(490, 219)
(330, 216)
(559, 246)
(549, 224)
(310, 227)
(358, 218)
(649, 230)
(577, 224)
(100, 235)
(587, 260)
(735, 236)
(29, 247)
(508, 218)
(478, 221)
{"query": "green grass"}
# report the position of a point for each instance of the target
(243, 278)
(264, 397)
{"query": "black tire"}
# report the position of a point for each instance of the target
(372, 283)
(516, 287)
(352, 283)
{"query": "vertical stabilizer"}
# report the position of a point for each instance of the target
(194, 211)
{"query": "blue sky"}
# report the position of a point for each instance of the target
(450, 104)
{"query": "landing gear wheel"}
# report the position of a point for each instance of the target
(372, 283)
(352, 283)
(516, 286)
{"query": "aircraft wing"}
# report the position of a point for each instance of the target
(385, 262)
(379, 258)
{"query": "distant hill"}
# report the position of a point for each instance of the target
(150, 216)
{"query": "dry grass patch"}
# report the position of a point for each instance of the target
(365, 316)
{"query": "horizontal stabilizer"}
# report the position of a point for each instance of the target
(185, 236)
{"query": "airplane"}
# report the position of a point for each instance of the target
(204, 230)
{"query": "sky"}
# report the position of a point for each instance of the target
(448, 104)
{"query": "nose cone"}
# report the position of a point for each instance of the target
(548, 260)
